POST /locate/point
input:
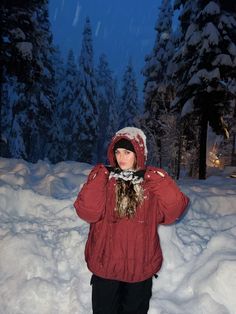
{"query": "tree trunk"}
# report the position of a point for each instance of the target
(179, 158)
(203, 146)
(1, 89)
(180, 147)
(160, 155)
(233, 154)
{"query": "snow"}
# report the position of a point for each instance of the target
(228, 21)
(76, 17)
(42, 267)
(211, 32)
(195, 39)
(97, 28)
(18, 34)
(188, 107)
(232, 49)
(190, 31)
(222, 59)
(203, 74)
(133, 133)
(211, 8)
(25, 48)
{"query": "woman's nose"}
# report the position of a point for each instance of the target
(122, 156)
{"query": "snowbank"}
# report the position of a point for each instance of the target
(42, 267)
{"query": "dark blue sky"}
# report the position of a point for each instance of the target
(121, 29)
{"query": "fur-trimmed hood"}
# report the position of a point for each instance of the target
(137, 138)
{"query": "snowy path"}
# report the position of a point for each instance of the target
(42, 267)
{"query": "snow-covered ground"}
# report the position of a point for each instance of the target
(42, 267)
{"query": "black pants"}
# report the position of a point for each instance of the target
(117, 297)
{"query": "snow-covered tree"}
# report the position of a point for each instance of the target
(86, 138)
(17, 23)
(227, 147)
(113, 113)
(129, 98)
(27, 45)
(204, 66)
(69, 109)
(16, 70)
(158, 87)
(169, 142)
(58, 150)
(107, 106)
(42, 93)
(13, 117)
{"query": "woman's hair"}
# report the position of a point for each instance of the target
(128, 196)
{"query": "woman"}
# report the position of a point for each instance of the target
(124, 203)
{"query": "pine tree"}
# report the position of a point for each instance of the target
(27, 44)
(69, 109)
(13, 117)
(59, 149)
(43, 88)
(17, 70)
(16, 25)
(158, 87)
(106, 102)
(205, 66)
(113, 113)
(129, 98)
(158, 90)
(86, 138)
(227, 147)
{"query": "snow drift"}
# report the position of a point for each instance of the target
(42, 267)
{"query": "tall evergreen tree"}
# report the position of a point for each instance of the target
(158, 90)
(158, 87)
(48, 94)
(69, 110)
(106, 102)
(205, 66)
(13, 117)
(113, 113)
(86, 138)
(17, 69)
(129, 98)
(227, 147)
(17, 23)
(41, 93)
(27, 43)
(58, 150)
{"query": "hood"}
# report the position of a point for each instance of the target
(137, 138)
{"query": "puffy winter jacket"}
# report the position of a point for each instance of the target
(121, 248)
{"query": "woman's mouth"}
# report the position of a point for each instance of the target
(122, 163)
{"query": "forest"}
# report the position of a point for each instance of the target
(56, 110)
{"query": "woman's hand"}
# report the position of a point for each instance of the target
(90, 202)
(99, 171)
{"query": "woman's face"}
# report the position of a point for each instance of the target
(125, 158)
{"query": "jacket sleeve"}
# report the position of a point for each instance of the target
(91, 200)
(171, 201)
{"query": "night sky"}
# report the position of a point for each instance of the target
(121, 29)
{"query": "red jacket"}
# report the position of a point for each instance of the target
(127, 249)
